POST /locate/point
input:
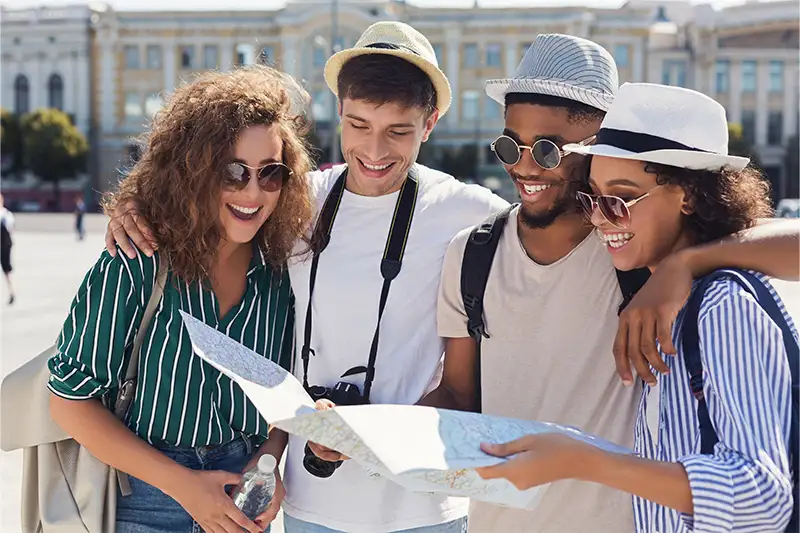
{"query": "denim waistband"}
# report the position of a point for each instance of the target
(199, 457)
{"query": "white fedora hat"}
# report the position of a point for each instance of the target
(399, 40)
(565, 66)
(667, 125)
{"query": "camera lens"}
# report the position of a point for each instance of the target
(318, 467)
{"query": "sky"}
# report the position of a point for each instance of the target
(272, 4)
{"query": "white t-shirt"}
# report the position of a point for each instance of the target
(549, 359)
(345, 310)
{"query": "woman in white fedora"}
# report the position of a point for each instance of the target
(712, 438)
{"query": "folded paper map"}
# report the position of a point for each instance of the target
(420, 448)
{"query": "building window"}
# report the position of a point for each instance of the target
(749, 126)
(133, 105)
(55, 92)
(748, 76)
(17, 40)
(320, 105)
(131, 57)
(492, 110)
(153, 104)
(438, 51)
(245, 55)
(775, 128)
(153, 57)
(267, 55)
(622, 53)
(320, 56)
(210, 56)
(470, 55)
(21, 94)
(187, 57)
(51, 39)
(722, 74)
(524, 49)
(469, 105)
(493, 52)
(674, 72)
(776, 76)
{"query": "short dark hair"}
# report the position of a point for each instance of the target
(723, 201)
(576, 111)
(382, 79)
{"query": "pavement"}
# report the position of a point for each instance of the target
(49, 265)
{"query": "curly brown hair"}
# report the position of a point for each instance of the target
(723, 201)
(177, 182)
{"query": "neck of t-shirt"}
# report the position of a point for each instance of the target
(547, 245)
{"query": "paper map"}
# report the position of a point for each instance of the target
(420, 448)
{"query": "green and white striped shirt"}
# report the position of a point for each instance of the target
(180, 399)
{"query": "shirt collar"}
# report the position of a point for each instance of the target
(258, 262)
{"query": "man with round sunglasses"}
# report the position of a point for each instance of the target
(542, 349)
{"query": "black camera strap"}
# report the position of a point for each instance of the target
(390, 264)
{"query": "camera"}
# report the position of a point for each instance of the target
(342, 393)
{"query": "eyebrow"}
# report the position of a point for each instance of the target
(397, 125)
(266, 161)
(558, 139)
(623, 181)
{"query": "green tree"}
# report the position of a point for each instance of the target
(54, 148)
(739, 145)
(11, 142)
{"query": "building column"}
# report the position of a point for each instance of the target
(168, 65)
(638, 46)
(82, 100)
(790, 100)
(735, 87)
(512, 59)
(762, 103)
(107, 88)
(226, 50)
(453, 52)
(289, 45)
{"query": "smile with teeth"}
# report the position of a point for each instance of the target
(377, 167)
(533, 189)
(616, 240)
(245, 210)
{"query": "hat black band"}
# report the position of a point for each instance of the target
(639, 142)
(392, 46)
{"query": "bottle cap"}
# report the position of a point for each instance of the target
(267, 463)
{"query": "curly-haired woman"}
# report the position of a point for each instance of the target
(712, 439)
(222, 179)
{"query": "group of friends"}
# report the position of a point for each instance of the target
(617, 185)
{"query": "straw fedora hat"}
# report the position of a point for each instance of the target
(399, 40)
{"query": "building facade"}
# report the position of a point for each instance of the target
(746, 57)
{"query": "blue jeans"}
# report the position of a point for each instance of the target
(148, 510)
(293, 525)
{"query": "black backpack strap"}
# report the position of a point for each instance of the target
(690, 344)
(630, 281)
(475, 267)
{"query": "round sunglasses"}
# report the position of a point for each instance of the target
(271, 176)
(544, 152)
(614, 209)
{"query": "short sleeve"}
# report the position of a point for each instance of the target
(451, 316)
(100, 327)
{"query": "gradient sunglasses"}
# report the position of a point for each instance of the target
(544, 152)
(614, 209)
(271, 176)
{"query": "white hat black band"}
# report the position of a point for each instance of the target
(639, 142)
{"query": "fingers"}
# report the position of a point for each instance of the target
(508, 448)
(493, 472)
(110, 243)
(664, 331)
(324, 405)
(621, 352)
(648, 346)
(135, 234)
(235, 521)
(224, 479)
(326, 454)
(635, 352)
(265, 519)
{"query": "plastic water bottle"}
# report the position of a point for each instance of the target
(257, 488)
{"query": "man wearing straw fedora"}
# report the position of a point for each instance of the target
(391, 94)
(539, 346)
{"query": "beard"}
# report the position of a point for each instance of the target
(565, 204)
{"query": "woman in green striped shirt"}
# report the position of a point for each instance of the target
(222, 178)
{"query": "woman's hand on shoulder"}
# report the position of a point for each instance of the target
(126, 226)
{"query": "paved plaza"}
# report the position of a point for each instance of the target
(49, 264)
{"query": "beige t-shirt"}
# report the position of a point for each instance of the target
(549, 359)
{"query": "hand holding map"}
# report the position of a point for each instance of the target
(420, 448)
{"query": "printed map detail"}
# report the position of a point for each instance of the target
(420, 448)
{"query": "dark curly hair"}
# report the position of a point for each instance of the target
(723, 201)
(178, 180)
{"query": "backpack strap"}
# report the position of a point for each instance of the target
(630, 281)
(690, 343)
(475, 267)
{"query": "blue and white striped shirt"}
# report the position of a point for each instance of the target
(746, 485)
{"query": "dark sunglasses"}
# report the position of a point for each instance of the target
(613, 208)
(271, 176)
(545, 152)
